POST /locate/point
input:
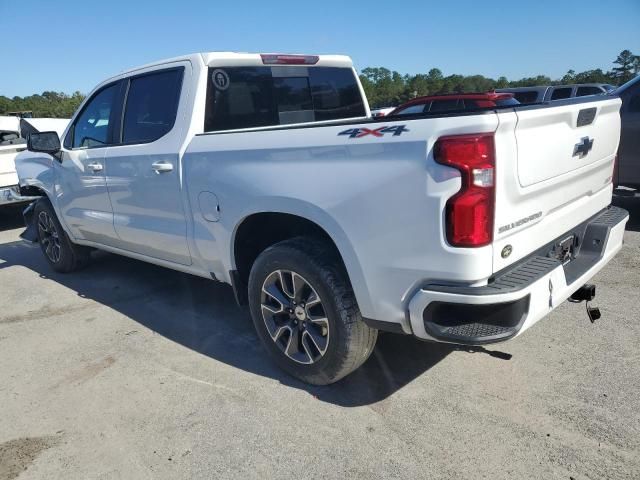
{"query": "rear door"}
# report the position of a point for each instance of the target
(554, 167)
(143, 170)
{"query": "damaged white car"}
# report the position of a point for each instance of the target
(13, 139)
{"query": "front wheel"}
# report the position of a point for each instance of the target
(305, 312)
(61, 254)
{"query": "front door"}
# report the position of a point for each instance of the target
(143, 171)
(81, 190)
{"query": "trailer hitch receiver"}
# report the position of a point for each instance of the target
(587, 293)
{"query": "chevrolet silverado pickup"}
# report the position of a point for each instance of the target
(267, 172)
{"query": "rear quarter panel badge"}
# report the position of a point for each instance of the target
(395, 130)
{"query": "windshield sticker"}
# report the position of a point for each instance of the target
(220, 79)
(397, 130)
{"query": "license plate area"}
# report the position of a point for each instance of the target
(565, 249)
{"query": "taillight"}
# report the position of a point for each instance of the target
(470, 212)
(280, 59)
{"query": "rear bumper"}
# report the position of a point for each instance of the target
(519, 296)
(11, 196)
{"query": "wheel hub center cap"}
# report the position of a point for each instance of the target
(300, 313)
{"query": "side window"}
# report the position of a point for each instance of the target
(444, 105)
(152, 105)
(560, 93)
(411, 110)
(583, 91)
(248, 97)
(91, 128)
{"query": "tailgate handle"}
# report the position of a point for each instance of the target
(586, 116)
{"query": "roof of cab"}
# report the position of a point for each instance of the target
(232, 59)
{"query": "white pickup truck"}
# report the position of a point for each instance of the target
(267, 172)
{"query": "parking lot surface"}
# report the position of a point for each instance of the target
(127, 370)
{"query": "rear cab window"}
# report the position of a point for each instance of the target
(250, 97)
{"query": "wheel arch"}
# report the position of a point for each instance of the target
(261, 229)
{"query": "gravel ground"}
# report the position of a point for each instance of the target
(127, 370)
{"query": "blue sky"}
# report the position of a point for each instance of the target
(69, 45)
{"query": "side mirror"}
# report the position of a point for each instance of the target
(44, 142)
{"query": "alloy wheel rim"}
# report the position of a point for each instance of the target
(295, 316)
(49, 238)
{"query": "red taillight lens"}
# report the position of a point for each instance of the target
(470, 212)
(280, 59)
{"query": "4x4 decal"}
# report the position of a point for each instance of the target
(397, 130)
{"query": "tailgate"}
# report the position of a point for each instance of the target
(554, 166)
(553, 141)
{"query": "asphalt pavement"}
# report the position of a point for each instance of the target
(127, 370)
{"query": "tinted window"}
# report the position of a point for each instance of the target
(152, 104)
(559, 93)
(634, 103)
(91, 128)
(246, 97)
(335, 93)
(444, 105)
(527, 97)
(582, 91)
(293, 98)
(411, 109)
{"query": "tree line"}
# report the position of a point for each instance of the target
(388, 88)
(48, 105)
(382, 86)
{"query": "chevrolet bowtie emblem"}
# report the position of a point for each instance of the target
(582, 148)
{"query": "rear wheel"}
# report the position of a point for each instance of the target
(305, 312)
(61, 254)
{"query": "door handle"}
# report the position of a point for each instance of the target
(162, 167)
(95, 167)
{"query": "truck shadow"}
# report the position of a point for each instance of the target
(202, 315)
(632, 205)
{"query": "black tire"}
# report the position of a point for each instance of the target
(349, 341)
(61, 254)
